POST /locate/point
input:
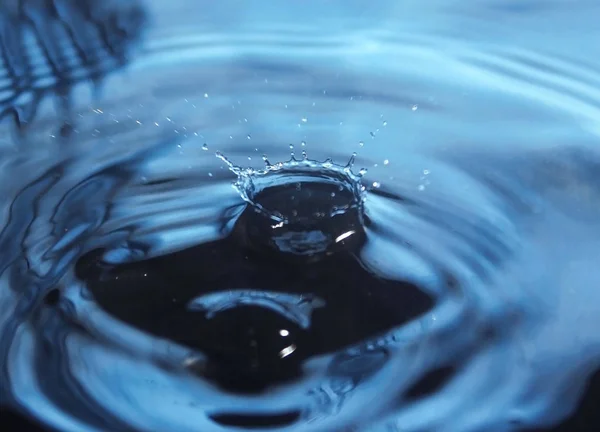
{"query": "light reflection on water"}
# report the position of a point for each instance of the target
(478, 124)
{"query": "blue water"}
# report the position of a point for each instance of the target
(465, 252)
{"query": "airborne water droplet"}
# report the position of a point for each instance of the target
(204, 146)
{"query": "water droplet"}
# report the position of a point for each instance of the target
(304, 119)
(385, 123)
(372, 134)
(206, 95)
(376, 184)
(426, 171)
(386, 162)
(361, 143)
(362, 171)
(351, 160)
(249, 136)
(205, 146)
(303, 143)
(415, 107)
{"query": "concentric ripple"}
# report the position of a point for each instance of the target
(451, 287)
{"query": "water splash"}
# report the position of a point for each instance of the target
(251, 183)
(485, 236)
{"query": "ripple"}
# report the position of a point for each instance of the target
(141, 292)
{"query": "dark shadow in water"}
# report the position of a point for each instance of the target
(245, 346)
(249, 421)
(47, 47)
(587, 416)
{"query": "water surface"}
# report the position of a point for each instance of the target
(450, 285)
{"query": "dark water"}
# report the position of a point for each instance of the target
(444, 278)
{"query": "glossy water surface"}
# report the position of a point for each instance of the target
(450, 285)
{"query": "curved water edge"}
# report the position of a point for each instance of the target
(482, 165)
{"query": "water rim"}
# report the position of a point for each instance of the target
(251, 182)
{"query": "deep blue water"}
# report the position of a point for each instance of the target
(445, 279)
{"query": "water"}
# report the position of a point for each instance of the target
(450, 285)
